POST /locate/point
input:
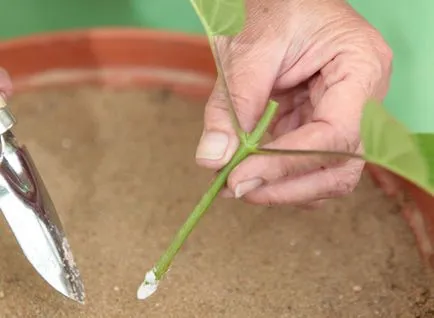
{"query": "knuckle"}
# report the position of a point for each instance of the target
(217, 101)
(381, 47)
(271, 199)
(350, 141)
(267, 196)
(286, 167)
(265, 199)
(380, 61)
(269, 203)
(343, 184)
(383, 57)
(343, 187)
(387, 54)
(343, 138)
(371, 62)
(240, 101)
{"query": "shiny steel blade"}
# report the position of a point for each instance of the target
(33, 219)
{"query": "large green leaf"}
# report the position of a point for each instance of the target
(389, 144)
(221, 17)
(426, 146)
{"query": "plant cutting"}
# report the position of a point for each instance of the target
(386, 142)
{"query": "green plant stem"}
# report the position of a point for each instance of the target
(235, 122)
(205, 202)
(247, 146)
(294, 152)
(214, 49)
(262, 125)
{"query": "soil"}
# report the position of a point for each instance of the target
(120, 168)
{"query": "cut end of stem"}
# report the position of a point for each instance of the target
(149, 285)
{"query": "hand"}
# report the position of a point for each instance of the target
(321, 61)
(5, 86)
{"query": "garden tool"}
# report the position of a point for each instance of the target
(31, 215)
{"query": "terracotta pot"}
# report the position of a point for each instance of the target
(417, 207)
(182, 63)
(117, 57)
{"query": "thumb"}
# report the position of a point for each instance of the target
(250, 72)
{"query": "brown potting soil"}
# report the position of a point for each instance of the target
(120, 168)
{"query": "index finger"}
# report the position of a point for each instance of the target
(335, 127)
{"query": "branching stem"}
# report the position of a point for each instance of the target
(249, 143)
(247, 146)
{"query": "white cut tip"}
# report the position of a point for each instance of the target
(148, 287)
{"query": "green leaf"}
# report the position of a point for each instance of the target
(426, 147)
(221, 17)
(388, 143)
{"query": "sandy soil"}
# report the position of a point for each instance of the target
(120, 168)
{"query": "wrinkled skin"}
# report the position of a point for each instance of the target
(321, 61)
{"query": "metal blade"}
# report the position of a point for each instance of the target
(33, 219)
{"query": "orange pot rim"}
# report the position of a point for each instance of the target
(103, 32)
(111, 56)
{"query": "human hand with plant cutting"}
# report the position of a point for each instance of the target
(312, 74)
(321, 61)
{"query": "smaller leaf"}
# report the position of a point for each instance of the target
(389, 144)
(221, 17)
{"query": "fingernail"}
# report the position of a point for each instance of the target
(212, 146)
(2, 99)
(247, 186)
